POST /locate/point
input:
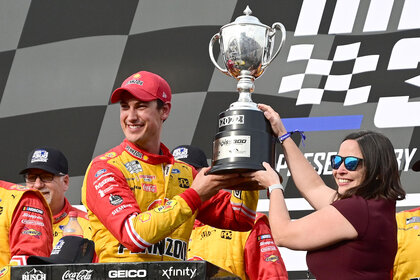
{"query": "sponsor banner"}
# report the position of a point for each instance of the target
(122, 271)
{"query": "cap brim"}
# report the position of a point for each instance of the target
(416, 166)
(84, 250)
(198, 164)
(42, 167)
(136, 92)
(45, 260)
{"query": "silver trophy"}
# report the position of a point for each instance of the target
(244, 139)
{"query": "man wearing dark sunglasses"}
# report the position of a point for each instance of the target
(407, 260)
(47, 171)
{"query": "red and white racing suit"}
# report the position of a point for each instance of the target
(141, 208)
(62, 218)
(25, 226)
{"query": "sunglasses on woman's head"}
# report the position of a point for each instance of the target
(350, 163)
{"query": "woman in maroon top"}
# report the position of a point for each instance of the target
(352, 234)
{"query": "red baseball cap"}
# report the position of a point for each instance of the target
(145, 86)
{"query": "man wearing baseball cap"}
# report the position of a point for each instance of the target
(47, 171)
(192, 155)
(141, 202)
(407, 259)
(248, 254)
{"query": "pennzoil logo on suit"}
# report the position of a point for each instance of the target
(184, 183)
(167, 207)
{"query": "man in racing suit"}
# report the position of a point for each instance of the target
(141, 202)
(47, 171)
(407, 259)
(25, 226)
(250, 254)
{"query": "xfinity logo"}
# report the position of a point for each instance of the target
(231, 120)
(171, 272)
(132, 273)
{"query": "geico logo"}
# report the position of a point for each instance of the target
(132, 273)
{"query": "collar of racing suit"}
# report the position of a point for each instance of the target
(63, 213)
(135, 151)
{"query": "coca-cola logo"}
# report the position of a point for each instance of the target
(84, 274)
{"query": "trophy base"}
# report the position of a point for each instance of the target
(247, 186)
(234, 168)
(243, 142)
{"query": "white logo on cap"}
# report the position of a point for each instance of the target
(40, 155)
(164, 95)
(138, 82)
(180, 153)
(58, 247)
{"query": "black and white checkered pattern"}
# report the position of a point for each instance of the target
(60, 61)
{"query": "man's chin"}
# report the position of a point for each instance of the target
(132, 138)
(47, 198)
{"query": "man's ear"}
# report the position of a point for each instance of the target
(66, 181)
(165, 110)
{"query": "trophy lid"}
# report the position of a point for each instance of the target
(247, 18)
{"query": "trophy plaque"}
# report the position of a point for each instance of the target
(244, 138)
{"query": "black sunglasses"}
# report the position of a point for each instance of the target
(45, 177)
(350, 163)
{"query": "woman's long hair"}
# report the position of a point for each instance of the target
(381, 178)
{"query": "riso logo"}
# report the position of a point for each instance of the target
(131, 273)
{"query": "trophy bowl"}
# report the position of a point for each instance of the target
(246, 46)
(244, 138)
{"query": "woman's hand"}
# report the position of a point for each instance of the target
(274, 118)
(265, 178)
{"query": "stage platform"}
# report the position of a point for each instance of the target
(122, 271)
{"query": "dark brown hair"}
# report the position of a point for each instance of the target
(381, 178)
(159, 104)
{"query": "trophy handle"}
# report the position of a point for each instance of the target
(215, 38)
(276, 25)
